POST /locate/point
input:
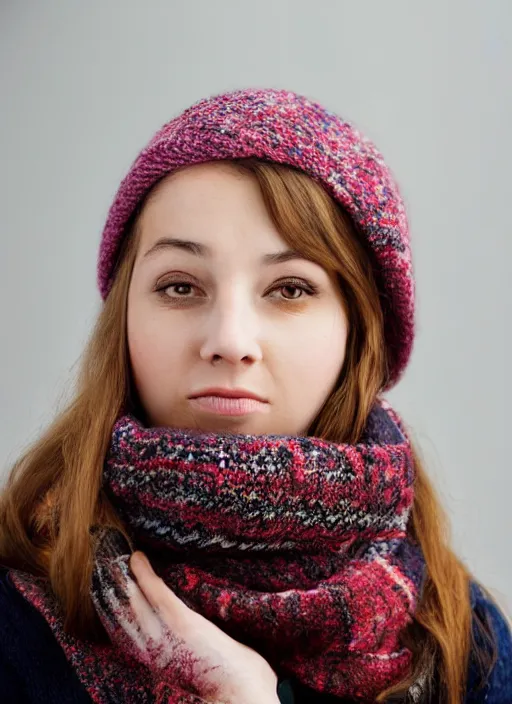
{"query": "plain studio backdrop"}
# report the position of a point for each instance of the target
(85, 85)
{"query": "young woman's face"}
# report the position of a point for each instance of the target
(215, 304)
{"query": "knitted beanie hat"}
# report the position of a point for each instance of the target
(281, 126)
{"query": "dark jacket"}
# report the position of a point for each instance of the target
(35, 670)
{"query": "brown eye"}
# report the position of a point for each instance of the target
(289, 290)
(295, 290)
(176, 290)
(181, 289)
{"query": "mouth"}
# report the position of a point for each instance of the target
(229, 402)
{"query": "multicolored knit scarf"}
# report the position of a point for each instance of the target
(294, 546)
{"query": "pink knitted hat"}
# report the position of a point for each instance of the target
(281, 126)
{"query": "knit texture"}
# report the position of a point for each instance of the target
(295, 546)
(35, 670)
(283, 127)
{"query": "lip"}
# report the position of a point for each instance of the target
(228, 393)
(229, 402)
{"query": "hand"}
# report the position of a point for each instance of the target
(182, 648)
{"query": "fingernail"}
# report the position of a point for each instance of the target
(141, 560)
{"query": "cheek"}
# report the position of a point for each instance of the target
(318, 353)
(155, 351)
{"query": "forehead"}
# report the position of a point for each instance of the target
(200, 179)
(214, 203)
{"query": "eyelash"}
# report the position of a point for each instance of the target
(307, 287)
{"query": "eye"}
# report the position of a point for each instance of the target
(295, 289)
(291, 290)
(182, 289)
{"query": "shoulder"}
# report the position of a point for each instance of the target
(15, 611)
(498, 689)
(10, 677)
(33, 666)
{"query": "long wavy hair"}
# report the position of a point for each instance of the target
(53, 494)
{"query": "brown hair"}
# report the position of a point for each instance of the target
(51, 537)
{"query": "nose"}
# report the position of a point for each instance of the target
(231, 333)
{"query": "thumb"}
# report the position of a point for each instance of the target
(164, 602)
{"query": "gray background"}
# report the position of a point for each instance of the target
(85, 85)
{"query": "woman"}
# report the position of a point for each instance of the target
(229, 423)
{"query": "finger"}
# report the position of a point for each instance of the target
(109, 587)
(124, 611)
(163, 600)
(179, 657)
(135, 627)
(200, 634)
(147, 622)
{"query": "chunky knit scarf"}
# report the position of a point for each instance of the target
(294, 546)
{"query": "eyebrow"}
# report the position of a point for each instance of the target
(203, 250)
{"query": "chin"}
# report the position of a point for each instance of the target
(232, 425)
